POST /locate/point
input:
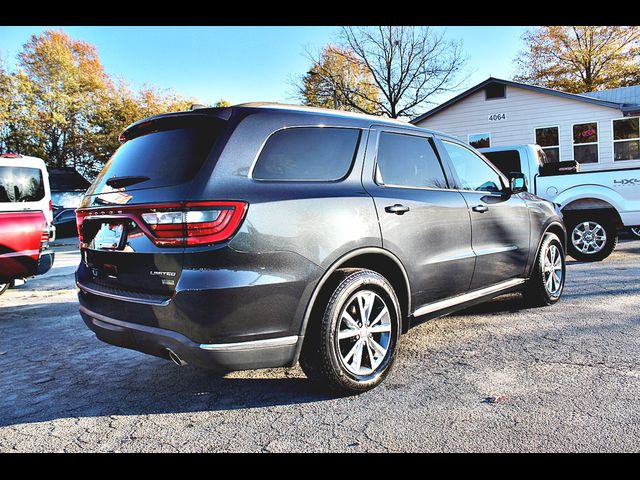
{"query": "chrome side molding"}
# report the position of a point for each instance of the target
(250, 345)
(450, 302)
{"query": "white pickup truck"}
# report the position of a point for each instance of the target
(594, 204)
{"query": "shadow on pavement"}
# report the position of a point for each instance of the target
(73, 374)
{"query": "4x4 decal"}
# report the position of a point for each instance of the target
(626, 181)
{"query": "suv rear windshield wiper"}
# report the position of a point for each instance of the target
(125, 181)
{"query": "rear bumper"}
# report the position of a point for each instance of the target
(273, 352)
(45, 262)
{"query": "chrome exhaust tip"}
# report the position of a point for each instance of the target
(175, 358)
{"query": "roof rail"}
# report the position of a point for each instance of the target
(197, 106)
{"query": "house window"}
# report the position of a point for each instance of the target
(480, 140)
(549, 139)
(626, 139)
(585, 142)
(495, 90)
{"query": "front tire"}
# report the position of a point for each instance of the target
(3, 287)
(546, 283)
(351, 346)
(591, 238)
(635, 231)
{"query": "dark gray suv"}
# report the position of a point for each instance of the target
(261, 235)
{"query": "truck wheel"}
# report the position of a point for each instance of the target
(352, 347)
(546, 283)
(635, 231)
(3, 287)
(591, 238)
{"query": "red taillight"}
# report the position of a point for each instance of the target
(50, 206)
(44, 238)
(80, 215)
(174, 225)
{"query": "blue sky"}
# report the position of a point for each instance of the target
(244, 64)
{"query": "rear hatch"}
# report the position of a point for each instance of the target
(134, 224)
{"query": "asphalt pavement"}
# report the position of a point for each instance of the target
(497, 377)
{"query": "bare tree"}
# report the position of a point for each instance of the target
(408, 65)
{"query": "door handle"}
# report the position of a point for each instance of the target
(397, 209)
(480, 208)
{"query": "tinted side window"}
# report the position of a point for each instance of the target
(408, 161)
(307, 154)
(473, 173)
(21, 184)
(506, 161)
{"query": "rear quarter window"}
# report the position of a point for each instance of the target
(506, 161)
(21, 184)
(307, 154)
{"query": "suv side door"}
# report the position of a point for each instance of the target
(423, 222)
(500, 222)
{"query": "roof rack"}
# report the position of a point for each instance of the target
(197, 106)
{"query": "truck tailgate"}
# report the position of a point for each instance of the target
(20, 240)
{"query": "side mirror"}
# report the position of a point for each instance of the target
(517, 182)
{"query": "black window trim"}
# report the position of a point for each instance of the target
(361, 137)
(431, 139)
(504, 179)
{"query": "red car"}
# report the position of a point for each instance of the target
(24, 246)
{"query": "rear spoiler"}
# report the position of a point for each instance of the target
(141, 126)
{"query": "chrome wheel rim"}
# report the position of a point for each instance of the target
(364, 333)
(635, 231)
(589, 237)
(553, 271)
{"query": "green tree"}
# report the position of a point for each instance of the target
(62, 106)
(60, 82)
(580, 59)
(338, 80)
(222, 103)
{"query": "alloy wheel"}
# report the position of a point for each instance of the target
(589, 237)
(553, 270)
(364, 333)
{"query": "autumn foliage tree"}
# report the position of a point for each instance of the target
(338, 80)
(580, 59)
(59, 104)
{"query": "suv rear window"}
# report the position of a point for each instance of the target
(21, 184)
(307, 154)
(168, 152)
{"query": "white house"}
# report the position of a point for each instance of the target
(600, 130)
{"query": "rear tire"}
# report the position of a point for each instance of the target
(546, 283)
(591, 238)
(351, 346)
(4, 287)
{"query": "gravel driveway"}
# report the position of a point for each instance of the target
(497, 377)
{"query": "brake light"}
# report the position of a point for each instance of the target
(79, 218)
(174, 225)
(44, 238)
(51, 206)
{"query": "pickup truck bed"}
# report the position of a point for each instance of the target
(594, 203)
